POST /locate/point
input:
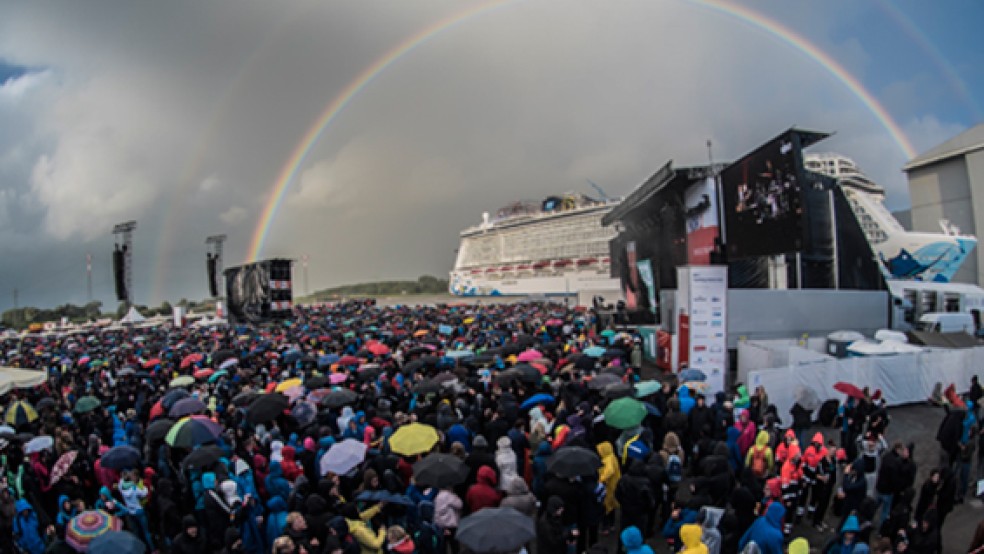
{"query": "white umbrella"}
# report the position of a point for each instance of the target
(341, 458)
(7, 429)
(226, 364)
(37, 444)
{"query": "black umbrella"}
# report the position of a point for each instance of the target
(413, 366)
(495, 530)
(46, 402)
(573, 461)
(507, 376)
(339, 398)
(440, 470)
(599, 382)
(526, 340)
(584, 363)
(186, 406)
(480, 360)
(220, 356)
(266, 408)
(419, 351)
(121, 457)
(245, 398)
(618, 390)
(528, 373)
(157, 430)
(172, 397)
(203, 457)
(427, 386)
(315, 382)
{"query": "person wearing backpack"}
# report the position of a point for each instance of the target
(759, 457)
(635, 496)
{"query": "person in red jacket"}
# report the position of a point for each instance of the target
(289, 464)
(483, 494)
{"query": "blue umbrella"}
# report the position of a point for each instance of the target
(536, 399)
(114, 542)
(595, 351)
(121, 457)
(645, 388)
(691, 374)
(458, 354)
(291, 356)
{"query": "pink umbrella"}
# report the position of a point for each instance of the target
(529, 356)
(337, 378)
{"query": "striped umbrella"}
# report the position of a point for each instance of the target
(20, 413)
(192, 431)
(89, 525)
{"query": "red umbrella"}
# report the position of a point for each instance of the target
(204, 373)
(349, 360)
(151, 363)
(157, 410)
(191, 359)
(378, 348)
(849, 389)
(62, 466)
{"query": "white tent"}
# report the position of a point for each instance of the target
(133, 316)
(12, 378)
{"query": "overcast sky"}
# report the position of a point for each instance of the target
(182, 114)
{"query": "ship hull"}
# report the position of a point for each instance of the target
(564, 284)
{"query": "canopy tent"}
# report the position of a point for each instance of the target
(133, 316)
(12, 378)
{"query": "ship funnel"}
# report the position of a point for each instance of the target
(485, 218)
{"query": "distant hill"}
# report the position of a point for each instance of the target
(426, 284)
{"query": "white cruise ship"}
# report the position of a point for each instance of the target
(549, 248)
(903, 254)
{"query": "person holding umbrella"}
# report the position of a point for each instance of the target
(134, 492)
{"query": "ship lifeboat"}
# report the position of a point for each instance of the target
(476, 272)
(491, 270)
(506, 268)
(541, 265)
(524, 268)
(563, 263)
(586, 261)
(606, 261)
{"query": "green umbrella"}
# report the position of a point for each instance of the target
(645, 388)
(87, 404)
(183, 381)
(625, 413)
(218, 375)
(607, 333)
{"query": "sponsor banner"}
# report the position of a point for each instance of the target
(704, 292)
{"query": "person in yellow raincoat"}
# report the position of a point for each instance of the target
(690, 535)
(608, 475)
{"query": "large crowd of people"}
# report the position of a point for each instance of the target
(360, 429)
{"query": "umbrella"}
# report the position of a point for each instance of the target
(7, 430)
(618, 390)
(440, 470)
(229, 362)
(85, 527)
(37, 444)
(528, 373)
(157, 430)
(378, 349)
(173, 396)
(536, 399)
(186, 406)
(495, 530)
(183, 381)
(594, 351)
(191, 359)
(349, 360)
(245, 398)
(304, 412)
(218, 375)
(652, 409)
(427, 386)
(203, 373)
(529, 355)
(315, 382)
(459, 354)
(291, 356)
(221, 356)
(339, 398)
(645, 388)
(385, 496)
(415, 438)
(444, 377)
(266, 408)
(601, 381)
(86, 404)
(46, 402)
(121, 457)
(343, 457)
(63, 464)
(115, 542)
(849, 389)
(807, 398)
(573, 461)
(20, 413)
(625, 413)
(337, 378)
(288, 384)
(691, 374)
(151, 363)
(203, 457)
(192, 431)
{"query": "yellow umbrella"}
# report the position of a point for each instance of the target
(20, 413)
(469, 320)
(421, 333)
(412, 439)
(289, 384)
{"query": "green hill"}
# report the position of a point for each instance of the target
(426, 284)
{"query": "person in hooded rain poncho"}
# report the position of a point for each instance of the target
(632, 541)
(848, 541)
(27, 532)
(709, 518)
(690, 536)
(766, 532)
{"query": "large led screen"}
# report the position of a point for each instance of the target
(763, 215)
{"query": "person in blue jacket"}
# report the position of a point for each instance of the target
(276, 483)
(27, 533)
(633, 543)
(679, 516)
(276, 519)
(735, 459)
(66, 511)
(848, 541)
(766, 532)
(687, 402)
